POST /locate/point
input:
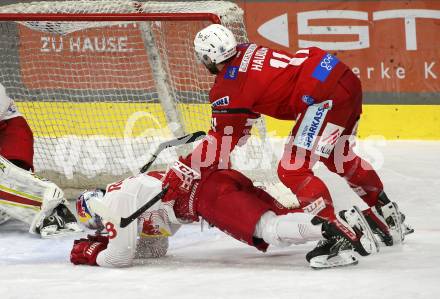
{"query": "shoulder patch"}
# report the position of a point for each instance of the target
(325, 67)
(231, 73)
(308, 100)
(224, 101)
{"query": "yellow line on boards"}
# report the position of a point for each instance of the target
(58, 119)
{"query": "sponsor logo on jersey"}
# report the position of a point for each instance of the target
(308, 100)
(247, 58)
(231, 73)
(224, 101)
(12, 108)
(315, 207)
(310, 126)
(327, 142)
(82, 210)
(325, 67)
(2, 167)
(258, 61)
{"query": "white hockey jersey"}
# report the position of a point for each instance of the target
(8, 109)
(124, 198)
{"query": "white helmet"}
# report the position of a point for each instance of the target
(215, 42)
(85, 215)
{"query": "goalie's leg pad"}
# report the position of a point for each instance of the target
(19, 205)
(25, 196)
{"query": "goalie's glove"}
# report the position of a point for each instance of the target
(85, 251)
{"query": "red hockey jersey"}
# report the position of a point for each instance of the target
(260, 80)
(275, 83)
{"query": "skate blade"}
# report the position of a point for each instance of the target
(407, 230)
(59, 233)
(391, 210)
(343, 259)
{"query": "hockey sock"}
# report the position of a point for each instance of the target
(362, 178)
(295, 228)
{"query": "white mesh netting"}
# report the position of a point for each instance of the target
(100, 95)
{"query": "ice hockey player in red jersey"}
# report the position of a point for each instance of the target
(224, 198)
(311, 87)
(16, 138)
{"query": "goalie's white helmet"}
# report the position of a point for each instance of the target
(85, 215)
(215, 42)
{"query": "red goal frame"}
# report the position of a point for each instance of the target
(122, 17)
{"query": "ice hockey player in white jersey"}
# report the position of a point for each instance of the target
(224, 198)
(35, 201)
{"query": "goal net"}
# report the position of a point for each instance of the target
(101, 83)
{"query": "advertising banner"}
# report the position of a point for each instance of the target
(393, 46)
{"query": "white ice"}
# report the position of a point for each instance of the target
(210, 264)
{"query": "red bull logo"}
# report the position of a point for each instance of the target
(82, 210)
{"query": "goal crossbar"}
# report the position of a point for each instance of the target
(109, 17)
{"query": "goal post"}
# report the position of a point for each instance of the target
(102, 83)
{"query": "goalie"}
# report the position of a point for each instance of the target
(35, 201)
(224, 198)
(24, 196)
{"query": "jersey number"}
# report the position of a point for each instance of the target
(110, 227)
(115, 186)
(282, 61)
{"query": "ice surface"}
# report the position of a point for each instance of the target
(210, 264)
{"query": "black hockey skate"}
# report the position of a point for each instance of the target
(333, 251)
(70, 222)
(387, 222)
(407, 229)
(360, 234)
(60, 222)
(50, 226)
(378, 225)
